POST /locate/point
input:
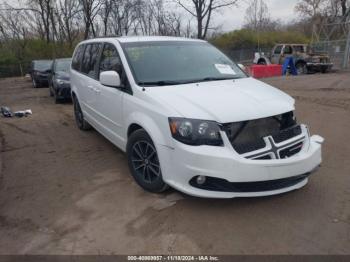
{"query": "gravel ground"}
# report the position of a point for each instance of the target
(63, 191)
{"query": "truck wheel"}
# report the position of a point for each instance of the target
(324, 70)
(301, 68)
(144, 163)
(261, 62)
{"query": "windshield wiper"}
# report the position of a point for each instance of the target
(217, 78)
(160, 83)
(172, 82)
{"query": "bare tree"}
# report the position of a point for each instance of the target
(343, 7)
(43, 13)
(67, 15)
(258, 17)
(203, 10)
(90, 9)
(105, 12)
(310, 8)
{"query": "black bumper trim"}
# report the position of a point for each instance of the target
(222, 185)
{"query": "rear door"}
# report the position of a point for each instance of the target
(89, 76)
(109, 104)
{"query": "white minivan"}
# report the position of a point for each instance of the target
(188, 117)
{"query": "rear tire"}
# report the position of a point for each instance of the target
(79, 117)
(144, 163)
(301, 68)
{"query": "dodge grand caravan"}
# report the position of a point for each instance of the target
(188, 117)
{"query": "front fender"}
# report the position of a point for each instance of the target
(158, 129)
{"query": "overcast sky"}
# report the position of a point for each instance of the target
(233, 17)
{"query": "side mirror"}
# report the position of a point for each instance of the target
(110, 78)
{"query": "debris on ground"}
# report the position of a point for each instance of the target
(6, 112)
(23, 113)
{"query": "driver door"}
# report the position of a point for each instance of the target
(109, 100)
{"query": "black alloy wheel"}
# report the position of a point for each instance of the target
(144, 163)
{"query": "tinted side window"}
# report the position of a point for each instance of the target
(76, 62)
(288, 50)
(90, 59)
(110, 60)
(299, 48)
(278, 50)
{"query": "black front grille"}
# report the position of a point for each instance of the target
(249, 136)
(287, 134)
(222, 185)
(249, 147)
(291, 151)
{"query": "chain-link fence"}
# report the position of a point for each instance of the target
(245, 56)
(15, 69)
(336, 51)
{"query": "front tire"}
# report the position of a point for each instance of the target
(79, 117)
(262, 62)
(57, 100)
(144, 163)
(35, 84)
(50, 90)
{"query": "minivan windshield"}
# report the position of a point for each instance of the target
(178, 62)
(63, 65)
(42, 65)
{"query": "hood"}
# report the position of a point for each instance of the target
(62, 75)
(224, 101)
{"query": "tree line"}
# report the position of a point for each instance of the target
(31, 29)
(69, 20)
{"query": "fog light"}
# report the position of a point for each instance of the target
(201, 180)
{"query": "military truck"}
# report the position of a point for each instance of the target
(305, 59)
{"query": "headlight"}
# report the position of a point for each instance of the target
(61, 81)
(195, 132)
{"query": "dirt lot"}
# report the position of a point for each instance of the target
(63, 191)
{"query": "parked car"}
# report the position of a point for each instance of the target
(188, 117)
(39, 72)
(59, 79)
(305, 59)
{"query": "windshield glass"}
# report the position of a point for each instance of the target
(42, 65)
(62, 65)
(178, 62)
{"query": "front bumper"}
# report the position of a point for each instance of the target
(319, 66)
(42, 80)
(63, 91)
(182, 163)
